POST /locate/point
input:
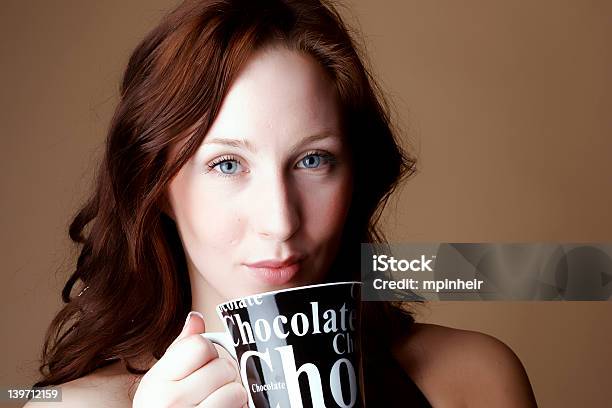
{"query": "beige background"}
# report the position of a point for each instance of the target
(508, 104)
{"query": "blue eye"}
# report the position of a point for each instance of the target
(230, 166)
(311, 161)
(314, 160)
(227, 165)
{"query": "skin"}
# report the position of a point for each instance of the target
(272, 207)
(463, 368)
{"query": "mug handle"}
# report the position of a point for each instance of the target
(225, 340)
(222, 339)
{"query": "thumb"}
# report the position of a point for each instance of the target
(194, 324)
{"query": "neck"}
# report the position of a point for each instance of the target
(204, 299)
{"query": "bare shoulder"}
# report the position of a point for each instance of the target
(109, 387)
(456, 367)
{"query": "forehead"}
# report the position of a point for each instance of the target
(278, 92)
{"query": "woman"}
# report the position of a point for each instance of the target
(250, 151)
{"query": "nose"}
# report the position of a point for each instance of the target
(277, 211)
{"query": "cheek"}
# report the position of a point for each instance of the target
(214, 222)
(327, 207)
(206, 221)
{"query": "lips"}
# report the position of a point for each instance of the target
(275, 272)
(273, 263)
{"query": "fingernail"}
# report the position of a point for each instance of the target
(193, 312)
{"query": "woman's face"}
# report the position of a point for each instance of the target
(272, 181)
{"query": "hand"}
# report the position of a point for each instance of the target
(191, 374)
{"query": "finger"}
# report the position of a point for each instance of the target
(232, 395)
(185, 357)
(200, 384)
(194, 323)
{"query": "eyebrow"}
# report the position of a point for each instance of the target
(246, 144)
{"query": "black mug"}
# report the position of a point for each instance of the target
(295, 347)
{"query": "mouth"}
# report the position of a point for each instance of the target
(273, 272)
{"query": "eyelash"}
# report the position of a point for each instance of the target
(328, 158)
